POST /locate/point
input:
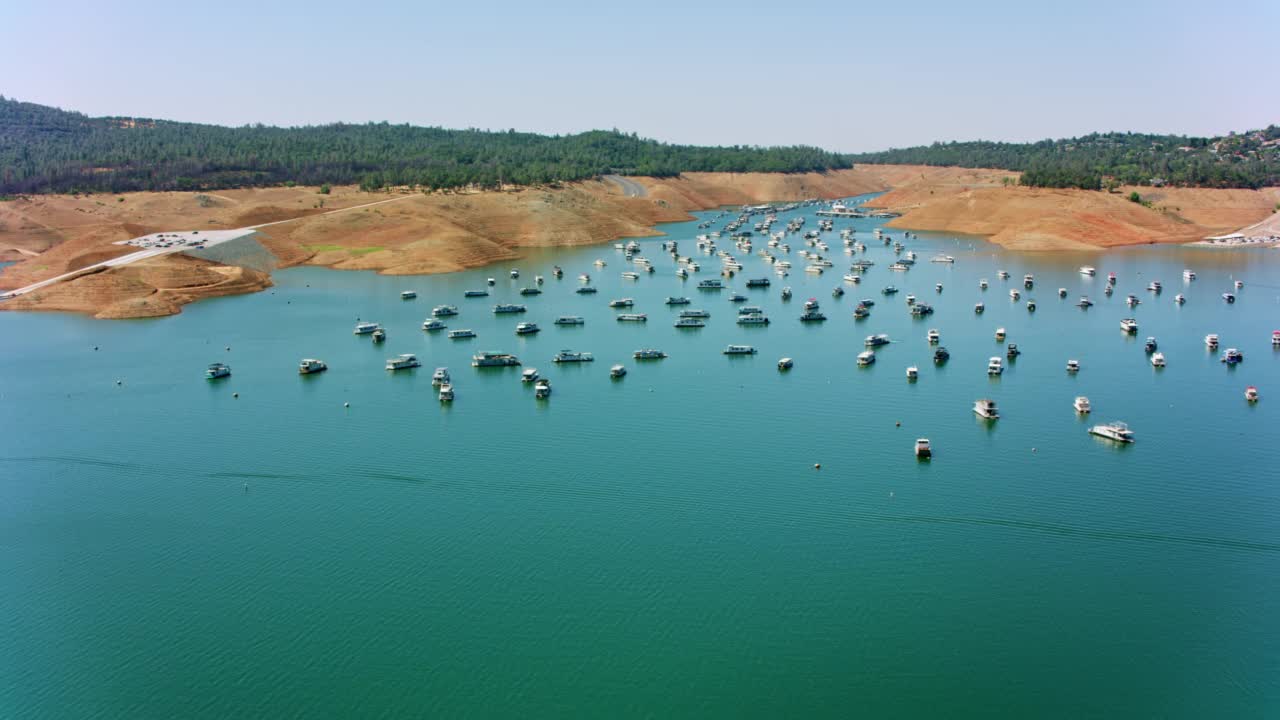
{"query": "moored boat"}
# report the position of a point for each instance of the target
(311, 365)
(217, 371)
(572, 356)
(1117, 431)
(494, 359)
(986, 409)
(403, 362)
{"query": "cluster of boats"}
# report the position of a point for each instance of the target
(739, 233)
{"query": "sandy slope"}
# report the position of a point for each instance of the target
(418, 234)
(51, 235)
(1048, 219)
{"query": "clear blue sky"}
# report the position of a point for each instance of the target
(817, 72)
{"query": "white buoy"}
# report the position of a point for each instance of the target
(235, 395)
(346, 404)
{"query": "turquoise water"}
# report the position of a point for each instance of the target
(660, 545)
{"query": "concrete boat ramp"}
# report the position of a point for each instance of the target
(193, 242)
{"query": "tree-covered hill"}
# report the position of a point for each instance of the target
(1246, 160)
(44, 149)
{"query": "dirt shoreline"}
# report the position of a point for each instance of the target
(447, 232)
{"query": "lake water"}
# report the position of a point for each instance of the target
(660, 545)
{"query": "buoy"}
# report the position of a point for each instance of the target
(346, 404)
(817, 466)
(235, 395)
(95, 348)
(119, 382)
(898, 424)
(228, 348)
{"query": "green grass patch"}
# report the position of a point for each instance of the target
(365, 251)
(323, 248)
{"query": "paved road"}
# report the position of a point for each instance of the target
(155, 251)
(630, 188)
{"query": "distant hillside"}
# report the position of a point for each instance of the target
(1247, 160)
(44, 149)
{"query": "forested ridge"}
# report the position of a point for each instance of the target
(45, 149)
(1103, 160)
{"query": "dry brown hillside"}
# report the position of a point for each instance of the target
(443, 232)
(415, 234)
(1055, 219)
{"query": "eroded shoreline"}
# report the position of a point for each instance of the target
(446, 232)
